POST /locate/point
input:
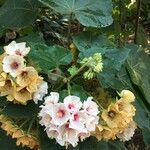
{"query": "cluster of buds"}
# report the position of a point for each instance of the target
(94, 64)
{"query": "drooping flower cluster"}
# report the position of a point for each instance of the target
(68, 121)
(17, 81)
(15, 132)
(95, 65)
(118, 119)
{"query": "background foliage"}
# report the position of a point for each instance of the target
(118, 29)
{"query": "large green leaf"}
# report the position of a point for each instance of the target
(87, 12)
(139, 70)
(49, 57)
(87, 40)
(92, 144)
(142, 118)
(18, 13)
(21, 111)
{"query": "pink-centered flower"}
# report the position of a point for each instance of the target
(90, 107)
(17, 49)
(69, 121)
(77, 121)
(59, 114)
(13, 64)
(72, 103)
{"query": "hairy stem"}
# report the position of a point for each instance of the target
(69, 27)
(137, 21)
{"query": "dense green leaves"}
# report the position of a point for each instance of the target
(20, 111)
(49, 57)
(18, 13)
(88, 13)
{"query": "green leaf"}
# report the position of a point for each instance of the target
(139, 70)
(32, 38)
(49, 57)
(79, 91)
(88, 40)
(7, 143)
(18, 13)
(88, 13)
(3, 101)
(92, 144)
(142, 117)
(75, 90)
(21, 111)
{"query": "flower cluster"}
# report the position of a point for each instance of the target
(16, 133)
(118, 119)
(69, 121)
(95, 65)
(17, 81)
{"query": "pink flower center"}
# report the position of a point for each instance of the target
(76, 117)
(60, 113)
(17, 52)
(67, 127)
(14, 65)
(70, 106)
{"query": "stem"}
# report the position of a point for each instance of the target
(99, 104)
(137, 21)
(69, 27)
(80, 69)
(30, 125)
(69, 88)
(56, 75)
(23, 123)
(120, 23)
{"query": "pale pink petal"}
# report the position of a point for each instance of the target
(72, 103)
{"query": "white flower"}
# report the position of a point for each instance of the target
(83, 135)
(67, 136)
(59, 114)
(52, 131)
(13, 64)
(41, 92)
(91, 122)
(53, 98)
(17, 49)
(90, 107)
(78, 120)
(45, 117)
(72, 103)
(128, 133)
(69, 121)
